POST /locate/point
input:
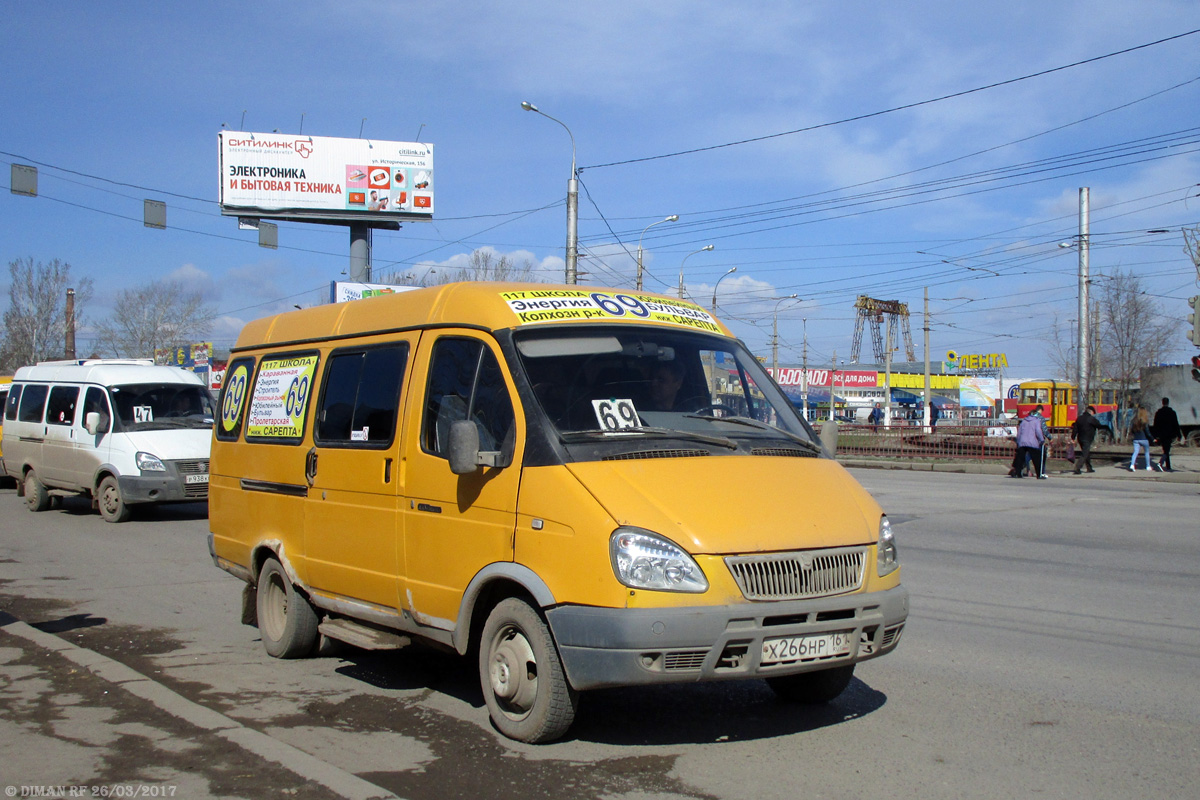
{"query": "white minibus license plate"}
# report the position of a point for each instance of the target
(807, 648)
(196, 478)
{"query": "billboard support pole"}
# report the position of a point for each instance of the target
(360, 252)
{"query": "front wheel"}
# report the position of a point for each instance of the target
(524, 685)
(36, 496)
(813, 688)
(110, 502)
(286, 622)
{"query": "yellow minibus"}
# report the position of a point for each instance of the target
(580, 487)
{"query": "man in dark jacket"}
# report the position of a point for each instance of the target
(1084, 431)
(1166, 430)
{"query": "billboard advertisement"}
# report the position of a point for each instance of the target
(282, 176)
(341, 291)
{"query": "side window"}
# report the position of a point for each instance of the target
(465, 382)
(360, 398)
(95, 401)
(33, 401)
(279, 401)
(61, 408)
(232, 402)
(14, 400)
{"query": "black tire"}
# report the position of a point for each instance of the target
(110, 502)
(286, 621)
(812, 688)
(36, 496)
(523, 682)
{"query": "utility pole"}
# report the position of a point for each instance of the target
(833, 389)
(1084, 316)
(887, 379)
(804, 385)
(928, 398)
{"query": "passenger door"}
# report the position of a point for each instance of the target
(352, 523)
(457, 524)
(58, 449)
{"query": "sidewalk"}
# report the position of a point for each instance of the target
(75, 723)
(1110, 464)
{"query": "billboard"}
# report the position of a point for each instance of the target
(341, 291)
(281, 176)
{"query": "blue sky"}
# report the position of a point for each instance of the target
(118, 102)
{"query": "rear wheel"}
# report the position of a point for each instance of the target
(813, 687)
(36, 496)
(524, 685)
(286, 621)
(110, 502)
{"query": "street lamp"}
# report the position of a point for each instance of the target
(728, 272)
(672, 218)
(685, 258)
(775, 337)
(572, 200)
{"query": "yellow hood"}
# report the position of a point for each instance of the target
(721, 505)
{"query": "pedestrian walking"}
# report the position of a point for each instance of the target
(1031, 436)
(1083, 431)
(875, 418)
(1166, 430)
(1140, 429)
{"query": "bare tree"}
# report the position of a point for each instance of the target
(482, 266)
(163, 314)
(1134, 331)
(35, 322)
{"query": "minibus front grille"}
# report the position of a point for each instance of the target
(656, 454)
(799, 575)
(197, 466)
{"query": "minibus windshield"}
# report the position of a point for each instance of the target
(620, 383)
(162, 406)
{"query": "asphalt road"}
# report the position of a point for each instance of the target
(1053, 650)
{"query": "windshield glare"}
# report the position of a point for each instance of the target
(152, 407)
(611, 380)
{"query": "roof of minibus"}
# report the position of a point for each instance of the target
(106, 373)
(492, 306)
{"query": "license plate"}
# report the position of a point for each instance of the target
(807, 648)
(196, 478)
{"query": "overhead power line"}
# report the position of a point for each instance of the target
(894, 109)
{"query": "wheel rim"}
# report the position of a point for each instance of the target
(513, 672)
(110, 500)
(273, 615)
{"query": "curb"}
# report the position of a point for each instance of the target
(976, 468)
(306, 765)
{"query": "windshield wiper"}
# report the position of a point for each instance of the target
(647, 430)
(762, 426)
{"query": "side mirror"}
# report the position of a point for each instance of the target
(464, 454)
(91, 423)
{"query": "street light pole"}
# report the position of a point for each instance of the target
(672, 218)
(572, 201)
(728, 272)
(1084, 281)
(775, 338)
(685, 258)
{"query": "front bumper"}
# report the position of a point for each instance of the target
(603, 647)
(171, 486)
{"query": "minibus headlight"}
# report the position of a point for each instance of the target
(885, 555)
(645, 560)
(148, 462)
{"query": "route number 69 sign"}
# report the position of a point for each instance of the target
(616, 414)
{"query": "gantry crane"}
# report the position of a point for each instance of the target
(872, 310)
